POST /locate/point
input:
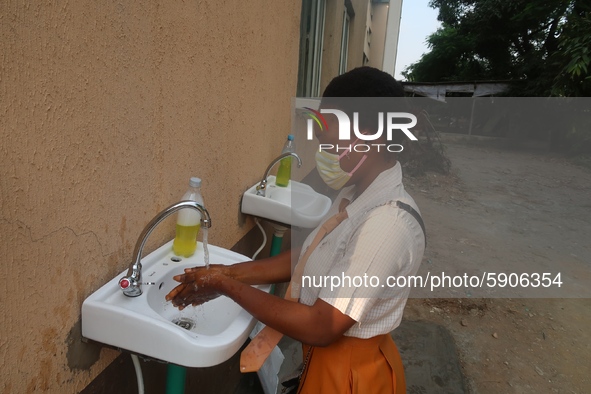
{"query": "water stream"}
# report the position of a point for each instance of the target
(205, 250)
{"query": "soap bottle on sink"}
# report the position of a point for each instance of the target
(284, 171)
(188, 222)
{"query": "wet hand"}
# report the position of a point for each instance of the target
(197, 286)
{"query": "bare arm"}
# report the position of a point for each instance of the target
(274, 269)
(319, 324)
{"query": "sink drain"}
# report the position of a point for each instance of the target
(184, 322)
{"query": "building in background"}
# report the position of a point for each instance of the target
(108, 109)
(339, 35)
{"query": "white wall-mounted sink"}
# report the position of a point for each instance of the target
(295, 205)
(200, 336)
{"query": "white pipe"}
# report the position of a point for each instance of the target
(256, 220)
(138, 374)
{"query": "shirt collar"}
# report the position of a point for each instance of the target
(382, 189)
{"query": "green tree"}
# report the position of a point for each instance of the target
(544, 44)
(574, 57)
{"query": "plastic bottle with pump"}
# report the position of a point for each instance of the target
(188, 222)
(284, 171)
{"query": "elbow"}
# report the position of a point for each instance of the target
(324, 325)
(324, 340)
(325, 343)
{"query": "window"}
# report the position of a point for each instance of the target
(344, 42)
(311, 38)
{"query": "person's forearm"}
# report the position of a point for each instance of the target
(274, 269)
(298, 321)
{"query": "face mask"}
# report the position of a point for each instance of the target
(329, 168)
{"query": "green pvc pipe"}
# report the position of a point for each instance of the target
(275, 249)
(276, 245)
(175, 379)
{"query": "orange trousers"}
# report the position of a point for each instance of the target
(354, 365)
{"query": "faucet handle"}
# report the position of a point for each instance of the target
(261, 187)
(130, 286)
(124, 283)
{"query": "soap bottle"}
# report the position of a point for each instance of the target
(284, 172)
(188, 222)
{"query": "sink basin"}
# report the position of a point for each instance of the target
(200, 336)
(295, 205)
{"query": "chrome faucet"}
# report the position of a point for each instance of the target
(262, 187)
(131, 283)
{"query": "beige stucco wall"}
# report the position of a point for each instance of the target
(357, 34)
(106, 110)
(379, 23)
(333, 31)
(331, 47)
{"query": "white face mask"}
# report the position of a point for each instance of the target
(329, 168)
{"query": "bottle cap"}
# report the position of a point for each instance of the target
(195, 182)
(290, 137)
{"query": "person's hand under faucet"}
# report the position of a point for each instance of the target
(319, 324)
(197, 285)
(195, 288)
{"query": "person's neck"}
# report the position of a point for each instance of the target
(374, 171)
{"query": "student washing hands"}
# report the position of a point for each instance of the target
(373, 228)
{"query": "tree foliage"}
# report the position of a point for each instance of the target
(544, 44)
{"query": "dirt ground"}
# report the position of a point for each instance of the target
(511, 211)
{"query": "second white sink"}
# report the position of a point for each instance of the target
(295, 205)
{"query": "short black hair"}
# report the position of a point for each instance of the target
(364, 82)
(370, 83)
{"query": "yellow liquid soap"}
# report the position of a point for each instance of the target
(284, 172)
(185, 241)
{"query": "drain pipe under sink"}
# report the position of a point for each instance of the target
(276, 242)
(138, 373)
(277, 239)
(175, 379)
